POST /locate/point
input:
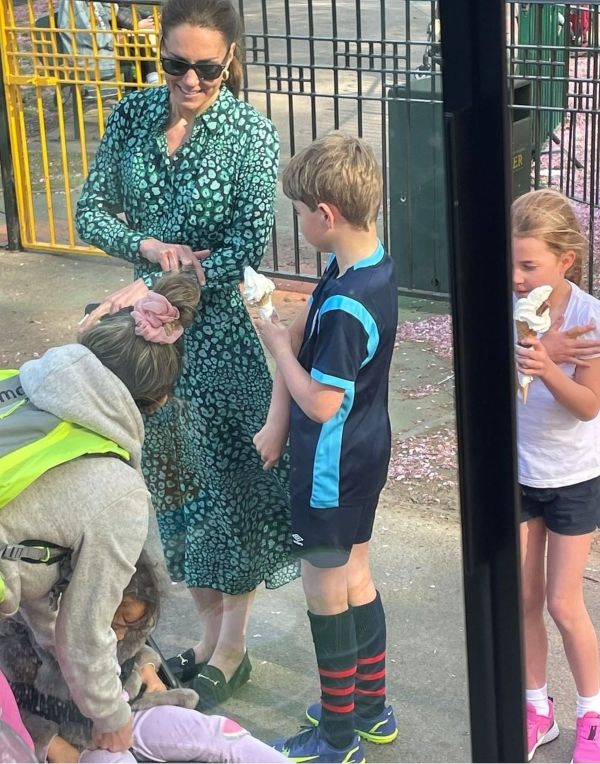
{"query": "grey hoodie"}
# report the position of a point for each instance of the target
(96, 506)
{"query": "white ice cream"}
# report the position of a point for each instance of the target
(526, 310)
(257, 291)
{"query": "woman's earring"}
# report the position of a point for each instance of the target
(225, 75)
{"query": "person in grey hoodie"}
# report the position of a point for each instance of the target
(96, 507)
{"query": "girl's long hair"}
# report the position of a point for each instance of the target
(548, 215)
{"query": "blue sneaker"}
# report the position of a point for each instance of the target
(309, 745)
(378, 729)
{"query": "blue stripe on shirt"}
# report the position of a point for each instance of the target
(326, 467)
(330, 379)
(358, 311)
(373, 259)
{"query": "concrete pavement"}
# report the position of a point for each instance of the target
(417, 557)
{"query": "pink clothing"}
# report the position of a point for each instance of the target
(9, 712)
(170, 733)
(587, 742)
(154, 317)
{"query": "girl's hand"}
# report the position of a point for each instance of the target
(117, 741)
(270, 442)
(151, 679)
(61, 751)
(568, 347)
(172, 257)
(534, 360)
(275, 335)
(156, 686)
(123, 298)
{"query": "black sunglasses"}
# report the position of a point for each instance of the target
(177, 67)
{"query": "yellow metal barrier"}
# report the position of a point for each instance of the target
(65, 65)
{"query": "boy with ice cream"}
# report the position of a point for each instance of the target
(334, 365)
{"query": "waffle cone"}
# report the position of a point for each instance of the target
(264, 300)
(524, 333)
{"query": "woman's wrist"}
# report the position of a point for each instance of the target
(142, 246)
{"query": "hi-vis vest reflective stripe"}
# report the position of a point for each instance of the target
(33, 441)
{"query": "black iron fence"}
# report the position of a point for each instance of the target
(315, 67)
(376, 70)
(554, 49)
(372, 68)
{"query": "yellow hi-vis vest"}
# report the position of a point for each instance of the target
(33, 441)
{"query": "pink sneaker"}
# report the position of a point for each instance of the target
(587, 745)
(540, 729)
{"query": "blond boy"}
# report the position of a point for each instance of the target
(330, 393)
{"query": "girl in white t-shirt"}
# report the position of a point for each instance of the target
(559, 469)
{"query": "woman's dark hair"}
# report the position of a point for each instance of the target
(219, 15)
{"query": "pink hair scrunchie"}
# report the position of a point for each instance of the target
(154, 317)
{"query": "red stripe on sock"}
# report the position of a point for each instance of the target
(338, 674)
(375, 659)
(338, 709)
(337, 690)
(371, 677)
(358, 691)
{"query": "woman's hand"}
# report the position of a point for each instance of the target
(123, 298)
(534, 360)
(568, 347)
(271, 439)
(172, 257)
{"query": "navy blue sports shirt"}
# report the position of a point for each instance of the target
(348, 343)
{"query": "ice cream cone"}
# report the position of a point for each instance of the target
(265, 307)
(258, 291)
(525, 334)
(532, 318)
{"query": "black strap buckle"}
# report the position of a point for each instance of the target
(36, 552)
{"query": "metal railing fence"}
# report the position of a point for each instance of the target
(370, 67)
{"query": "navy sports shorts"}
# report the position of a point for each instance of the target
(325, 537)
(572, 510)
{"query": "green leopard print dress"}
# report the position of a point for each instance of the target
(224, 522)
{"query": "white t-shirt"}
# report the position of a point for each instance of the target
(555, 448)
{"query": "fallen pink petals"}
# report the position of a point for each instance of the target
(430, 457)
(436, 332)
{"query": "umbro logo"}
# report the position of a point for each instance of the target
(297, 539)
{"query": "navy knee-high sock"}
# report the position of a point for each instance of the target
(369, 624)
(335, 647)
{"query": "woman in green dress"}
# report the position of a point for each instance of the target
(182, 170)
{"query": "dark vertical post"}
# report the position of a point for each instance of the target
(477, 160)
(6, 170)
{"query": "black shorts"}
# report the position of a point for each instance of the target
(325, 537)
(573, 510)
